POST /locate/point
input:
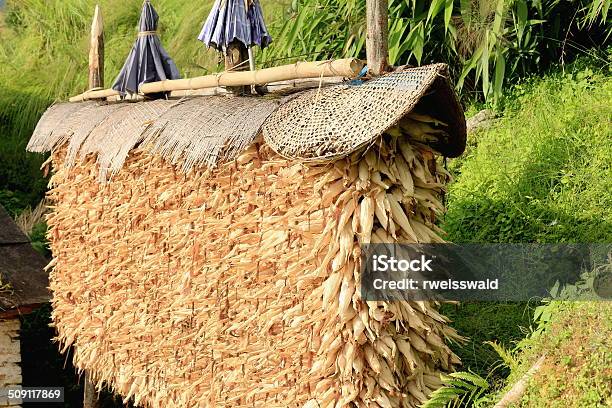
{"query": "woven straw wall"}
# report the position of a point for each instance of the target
(238, 286)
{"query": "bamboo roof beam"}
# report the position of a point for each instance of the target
(349, 67)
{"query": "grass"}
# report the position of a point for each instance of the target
(577, 370)
(542, 173)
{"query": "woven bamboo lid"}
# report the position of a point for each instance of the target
(327, 123)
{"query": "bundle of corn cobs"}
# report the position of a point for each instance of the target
(239, 286)
(386, 354)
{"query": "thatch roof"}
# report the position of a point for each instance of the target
(21, 267)
(319, 124)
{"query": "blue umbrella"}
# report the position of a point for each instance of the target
(235, 20)
(147, 61)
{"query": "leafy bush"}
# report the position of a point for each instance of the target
(13, 201)
(488, 43)
(460, 389)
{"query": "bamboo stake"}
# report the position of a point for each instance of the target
(90, 399)
(96, 80)
(280, 88)
(296, 85)
(96, 51)
(253, 68)
(517, 391)
(377, 47)
(251, 59)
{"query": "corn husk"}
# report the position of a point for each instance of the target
(239, 286)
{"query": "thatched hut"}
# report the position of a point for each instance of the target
(206, 250)
(23, 289)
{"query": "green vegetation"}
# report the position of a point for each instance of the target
(542, 173)
(459, 389)
(577, 370)
(487, 43)
(572, 338)
(505, 323)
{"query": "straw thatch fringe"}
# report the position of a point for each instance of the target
(198, 131)
(48, 132)
(238, 286)
(85, 121)
(206, 131)
(119, 133)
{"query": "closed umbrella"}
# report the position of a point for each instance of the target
(148, 61)
(235, 20)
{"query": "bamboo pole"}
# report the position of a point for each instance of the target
(377, 46)
(343, 67)
(279, 88)
(90, 397)
(349, 67)
(96, 81)
(517, 391)
(296, 85)
(101, 94)
(96, 51)
(251, 59)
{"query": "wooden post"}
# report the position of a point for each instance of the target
(377, 47)
(90, 398)
(96, 51)
(96, 80)
(236, 56)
